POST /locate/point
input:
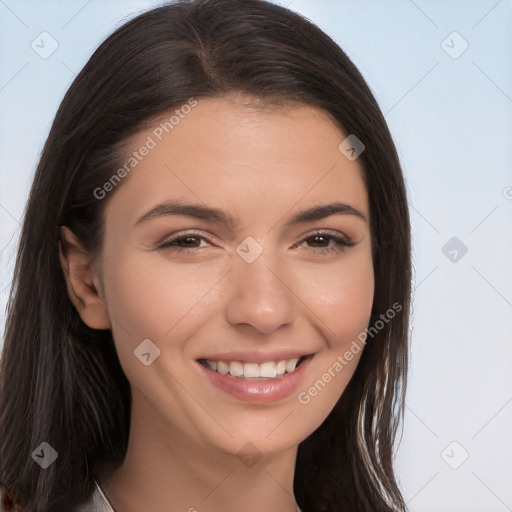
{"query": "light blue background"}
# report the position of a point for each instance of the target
(451, 119)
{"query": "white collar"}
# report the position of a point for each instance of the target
(100, 503)
(97, 502)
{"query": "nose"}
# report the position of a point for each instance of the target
(261, 295)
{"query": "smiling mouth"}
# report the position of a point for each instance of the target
(268, 370)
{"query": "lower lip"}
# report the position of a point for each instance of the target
(258, 391)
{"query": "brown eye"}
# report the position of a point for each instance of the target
(327, 243)
(187, 242)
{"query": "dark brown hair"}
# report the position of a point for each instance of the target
(61, 382)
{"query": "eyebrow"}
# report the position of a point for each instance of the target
(200, 211)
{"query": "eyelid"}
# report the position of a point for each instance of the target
(340, 239)
(191, 232)
(329, 232)
(182, 234)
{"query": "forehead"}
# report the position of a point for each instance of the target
(249, 159)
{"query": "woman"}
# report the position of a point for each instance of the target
(211, 298)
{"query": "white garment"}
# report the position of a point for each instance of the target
(98, 502)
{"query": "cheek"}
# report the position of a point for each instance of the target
(342, 299)
(150, 298)
(341, 296)
(143, 301)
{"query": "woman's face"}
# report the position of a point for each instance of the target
(210, 254)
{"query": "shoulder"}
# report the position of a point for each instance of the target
(97, 502)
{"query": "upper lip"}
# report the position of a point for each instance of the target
(257, 357)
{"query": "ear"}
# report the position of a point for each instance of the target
(82, 281)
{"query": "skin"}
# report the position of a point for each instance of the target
(262, 165)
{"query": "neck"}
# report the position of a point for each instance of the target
(164, 466)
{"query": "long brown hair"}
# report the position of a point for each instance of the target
(61, 382)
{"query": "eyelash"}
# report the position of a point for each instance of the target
(340, 243)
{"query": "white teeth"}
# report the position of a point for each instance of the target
(222, 367)
(269, 369)
(291, 364)
(236, 368)
(251, 370)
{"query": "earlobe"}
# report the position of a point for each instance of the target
(82, 281)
